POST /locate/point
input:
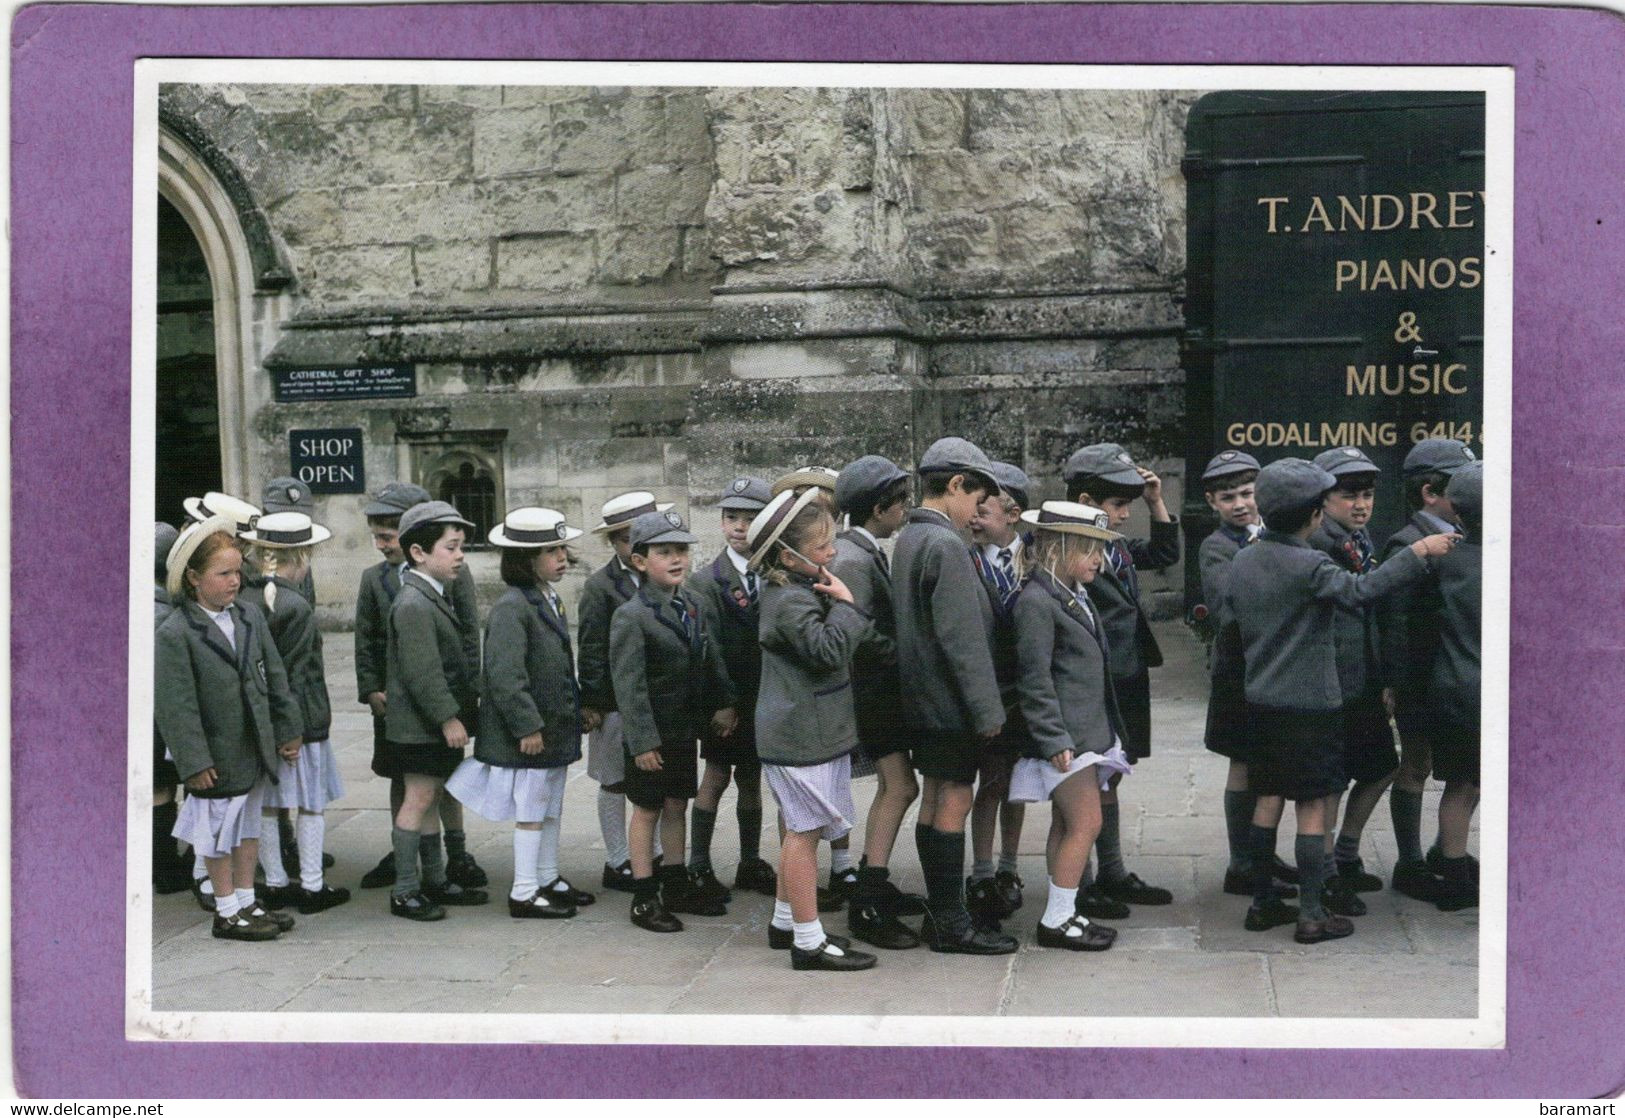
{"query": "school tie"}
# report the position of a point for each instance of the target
(1363, 542)
(1006, 573)
(751, 587)
(1123, 568)
(554, 601)
(678, 604)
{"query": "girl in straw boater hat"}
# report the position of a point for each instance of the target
(282, 544)
(530, 722)
(1064, 683)
(222, 702)
(805, 726)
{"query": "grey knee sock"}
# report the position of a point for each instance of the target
(1406, 810)
(406, 861)
(612, 825)
(1261, 861)
(703, 825)
(1110, 845)
(434, 859)
(1347, 848)
(1312, 869)
(750, 834)
(1328, 863)
(456, 843)
(1238, 820)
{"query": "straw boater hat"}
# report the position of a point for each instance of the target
(821, 477)
(1071, 519)
(771, 522)
(532, 526)
(619, 512)
(241, 512)
(187, 543)
(285, 529)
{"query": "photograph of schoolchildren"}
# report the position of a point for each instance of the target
(637, 490)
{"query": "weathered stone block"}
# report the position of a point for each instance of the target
(597, 134)
(522, 95)
(355, 102)
(513, 141)
(451, 268)
(356, 273)
(548, 203)
(628, 463)
(638, 254)
(964, 180)
(407, 212)
(307, 216)
(932, 118)
(546, 263)
(661, 193)
(476, 96)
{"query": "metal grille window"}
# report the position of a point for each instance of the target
(474, 494)
(465, 469)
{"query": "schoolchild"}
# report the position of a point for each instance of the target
(873, 493)
(997, 546)
(1064, 685)
(1279, 607)
(282, 544)
(432, 707)
(1454, 688)
(805, 726)
(222, 702)
(1228, 485)
(605, 591)
(530, 713)
(1409, 628)
(669, 681)
(728, 593)
(379, 587)
(171, 872)
(951, 704)
(1368, 737)
(1103, 475)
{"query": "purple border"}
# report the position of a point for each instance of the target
(71, 130)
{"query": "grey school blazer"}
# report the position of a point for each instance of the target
(431, 677)
(222, 708)
(875, 699)
(604, 592)
(1408, 630)
(1130, 644)
(666, 684)
(379, 585)
(944, 630)
(1357, 641)
(1280, 607)
(1213, 558)
(1063, 680)
(804, 713)
(1455, 676)
(529, 684)
(299, 643)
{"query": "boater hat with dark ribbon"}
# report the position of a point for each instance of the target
(771, 522)
(187, 542)
(241, 512)
(1071, 518)
(619, 512)
(821, 477)
(532, 526)
(285, 529)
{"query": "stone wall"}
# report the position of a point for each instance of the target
(660, 288)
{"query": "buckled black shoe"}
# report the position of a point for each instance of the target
(454, 895)
(843, 882)
(889, 898)
(953, 933)
(757, 876)
(205, 901)
(1239, 884)
(829, 901)
(1077, 934)
(278, 896)
(830, 956)
(782, 939)
(321, 900)
(415, 906)
(1458, 889)
(879, 929)
(1009, 884)
(1436, 861)
(1273, 913)
(684, 896)
(618, 877)
(541, 906)
(1359, 880)
(463, 870)
(1415, 880)
(1094, 903)
(243, 928)
(282, 920)
(1317, 931)
(380, 875)
(650, 914)
(983, 903)
(578, 898)
(1340, 898)
(706, 882)
(1131, 890)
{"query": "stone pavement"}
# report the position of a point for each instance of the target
(1191, 958)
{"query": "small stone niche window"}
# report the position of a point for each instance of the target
(463, 468)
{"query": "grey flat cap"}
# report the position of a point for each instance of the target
(432, 512)
(1346, 460)
(660, 527)
(864, 479)
(1106, 461)
(1466, 490)
(395, 498)
(1291, 483)
(1013, 481)
(164, 536)
(1228, 462)
(287, 494)
(1437, 456)
(747, 494)
(958, 456)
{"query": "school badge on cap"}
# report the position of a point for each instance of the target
(1228, 456)
(674, 520)
(1125, 459)
(1468, 451)
(1102, 522)
(741, 484)
(1350, 452)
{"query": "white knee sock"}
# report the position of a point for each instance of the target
(612, 823)
(246, 899)
(1062, 906)
(547, 854)
(525, 846)
(271, 856)
(227, 905)
(782, 920)
(312, 832)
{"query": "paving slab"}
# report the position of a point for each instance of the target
(1124, 982)
(1375, 986)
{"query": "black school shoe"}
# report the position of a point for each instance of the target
(1415, 880)
(415, 906)
(1131, 890)
(278, 896)
(843, 883)
(463, 870)
(1077, 934)
(205, 901)
(450, 893)
(955, 934)
(706, 882)
(879, 929)
(618, 877)
(380, 875)
(830, 901)
(757, 876)
(321, 900)
(1318, 931)
(243, 928)
(1009, 884)
(1273, 913)
(1436, 861)
(1459, 887)
(541, 907)
(282, 920)
(648, 913)
(1340, 898)
(782, 939)
(580, 898)
(1240, 884)
(984, 895)
(830, 956)
(1094, 903)
(682, 895)
(1359, 880)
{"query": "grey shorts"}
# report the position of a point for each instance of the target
(606, 759)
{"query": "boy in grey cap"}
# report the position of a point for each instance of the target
(951, 701)
(1104, 475)
(1278, 618)
(379, 586)
(1409, 627)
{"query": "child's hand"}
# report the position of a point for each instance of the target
(379, 703)
(1062, 760)
(1153, 493)
(590, 719)
(456, 736)
(649, 762)
(1431, 547)
(725, 721)
(531, 744)
(289, 750)
(829, 584)
(201, 782)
